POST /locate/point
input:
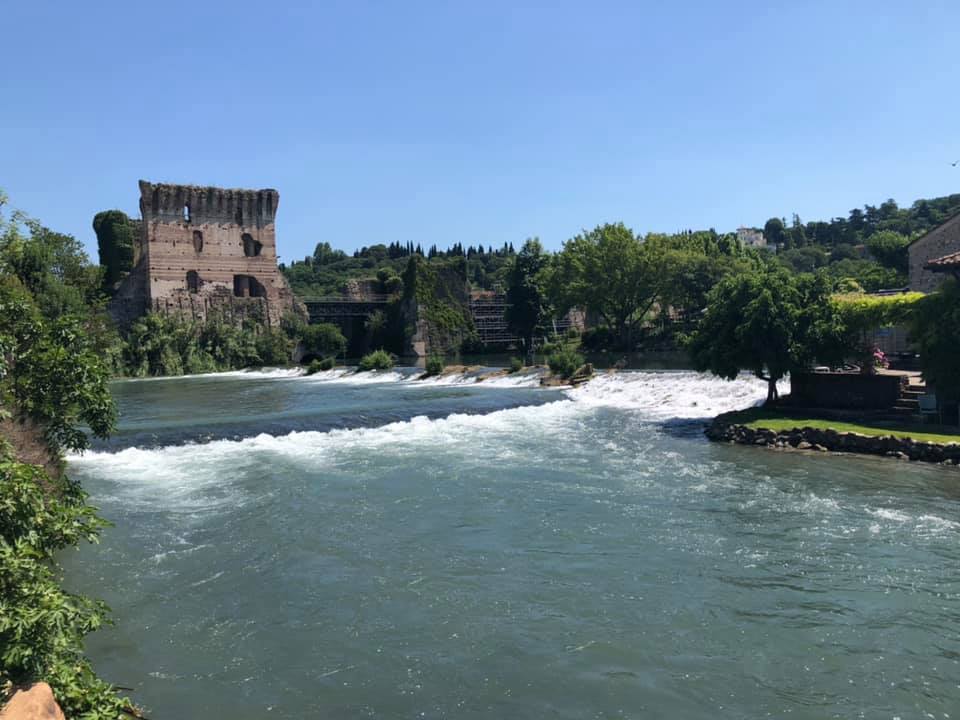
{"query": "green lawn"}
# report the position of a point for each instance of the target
(778, 420)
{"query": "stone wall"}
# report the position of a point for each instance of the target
(844, 390)
(942, 240)
(819, 440)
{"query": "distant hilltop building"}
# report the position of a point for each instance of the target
(205, 249)
(751, 237)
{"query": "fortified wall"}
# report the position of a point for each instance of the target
(205, 249)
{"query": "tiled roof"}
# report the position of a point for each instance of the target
(947, 263)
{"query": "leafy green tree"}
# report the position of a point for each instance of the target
(323, 340)
(773, 231)
(804, 259)
(51, 372)
(611, 272)
(890, 250)
(51, 265)
(769, 322)
(323, 254)
(936, 332)
(117, 237)
(527, 306)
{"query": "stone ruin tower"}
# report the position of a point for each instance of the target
(204, 250)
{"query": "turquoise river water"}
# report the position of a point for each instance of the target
(371, 546)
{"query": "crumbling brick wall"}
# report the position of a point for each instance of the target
(205, 248)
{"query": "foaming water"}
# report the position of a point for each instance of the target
(445, 548)
(267, 373)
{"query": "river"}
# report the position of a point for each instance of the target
(349, 546)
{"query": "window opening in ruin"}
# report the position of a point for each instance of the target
(251, 247)
(238, 216)
(248, 286)
(186, 213)
(198, 241)
(193, 281)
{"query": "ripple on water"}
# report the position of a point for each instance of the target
(514, 552)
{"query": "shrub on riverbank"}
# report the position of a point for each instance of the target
(565, 362)
(434, 365)
(42, 626)
(516, 365)
(318, 365)
(53, 381)
(377, 360)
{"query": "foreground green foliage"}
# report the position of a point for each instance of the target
(56, 354)
(377, 360)
(51, 370)
(778, 419)
(53, 376)
(41, 625)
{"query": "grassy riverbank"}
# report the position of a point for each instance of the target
(780, 420)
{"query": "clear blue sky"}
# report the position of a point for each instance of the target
(481, 122)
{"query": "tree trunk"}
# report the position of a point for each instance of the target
(772, 394)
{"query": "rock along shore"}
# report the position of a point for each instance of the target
(820, 440)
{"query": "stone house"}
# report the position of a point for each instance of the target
(205, 249)
(941, 241)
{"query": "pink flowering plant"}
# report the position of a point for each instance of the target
(880, 359)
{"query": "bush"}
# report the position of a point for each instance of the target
(318, 365)
(434, 365)
(516, 364)
(572, 333)
(323, 339)
(564, 363)
(273, 347)
(377, 360)
(42, 626)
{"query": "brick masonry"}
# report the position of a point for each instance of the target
(205, 249)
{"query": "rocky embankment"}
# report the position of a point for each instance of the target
(820, 440)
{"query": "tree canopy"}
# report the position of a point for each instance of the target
(768, 322)
(609, 271)
(527, 306)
